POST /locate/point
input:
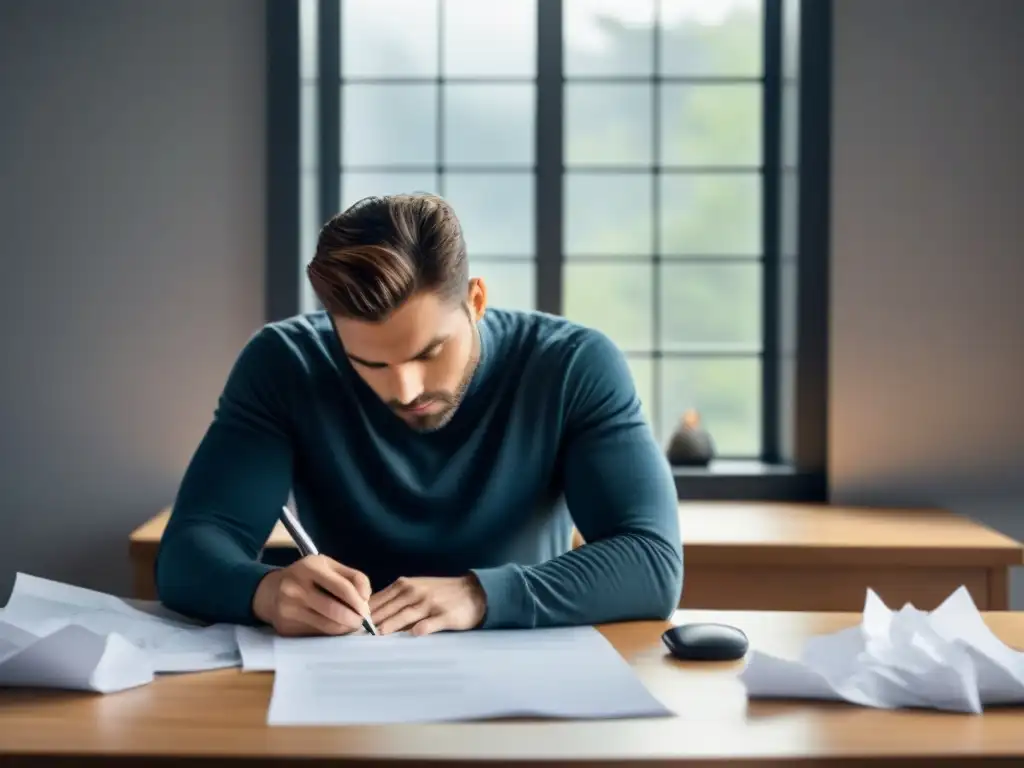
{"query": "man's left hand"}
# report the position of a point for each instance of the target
(428, 604)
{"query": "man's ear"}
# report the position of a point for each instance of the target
(477, 298)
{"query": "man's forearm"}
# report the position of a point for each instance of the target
(202, 572)
(629, 576)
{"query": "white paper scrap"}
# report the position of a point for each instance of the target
(72, 658)
(42, 607)
(946, 659)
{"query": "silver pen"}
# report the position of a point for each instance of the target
(307, 547)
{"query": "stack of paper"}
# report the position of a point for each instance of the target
(947, 659)
(256, 647)
(72, 658)
(569, 672)
(170, 642)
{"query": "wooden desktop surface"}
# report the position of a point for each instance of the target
(802, 557)
(221, 716)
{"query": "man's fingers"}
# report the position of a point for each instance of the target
(328, 606)
(404, 618)
(362, 584)
(379, 599)
(400, 602)
(358, 579)
(401, 587)
(305, 621)
(343, 589)
(322, 624)
(429, 625)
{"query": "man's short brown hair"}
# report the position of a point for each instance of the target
(379, 252)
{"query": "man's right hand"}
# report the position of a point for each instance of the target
(313, 596)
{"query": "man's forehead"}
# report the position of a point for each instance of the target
(409, 330)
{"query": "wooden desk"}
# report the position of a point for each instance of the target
(800, 557)
(811, 557)
(221, 716)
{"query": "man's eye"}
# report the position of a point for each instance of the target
(430, 353)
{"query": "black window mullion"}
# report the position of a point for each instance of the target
(282, 293)
(329, 96)
(657, 406)
(439, 168)
(548, 197)
(771, 134)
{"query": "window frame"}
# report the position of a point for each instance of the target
(793, 461)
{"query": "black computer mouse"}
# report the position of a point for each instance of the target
(706, 642)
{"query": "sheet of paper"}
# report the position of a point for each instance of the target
(946, 659)
(256, 647)
(72, 658)
(569, 672)
(42, 606)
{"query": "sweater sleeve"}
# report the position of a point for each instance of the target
(622, 498)
(208, 561)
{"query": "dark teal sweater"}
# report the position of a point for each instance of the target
(549, 434)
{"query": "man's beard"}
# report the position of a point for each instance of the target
(450, 400)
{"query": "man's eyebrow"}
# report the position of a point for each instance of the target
(435, 342)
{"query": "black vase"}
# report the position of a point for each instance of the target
(691, 445)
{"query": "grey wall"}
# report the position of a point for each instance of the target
(131, 258)
(927, 335)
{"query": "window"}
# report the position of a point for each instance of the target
(662, 201)
(625, 163)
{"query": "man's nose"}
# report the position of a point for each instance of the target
(408, 384)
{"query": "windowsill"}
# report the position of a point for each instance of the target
(748, 481)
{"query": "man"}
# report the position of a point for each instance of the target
(435, 450)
